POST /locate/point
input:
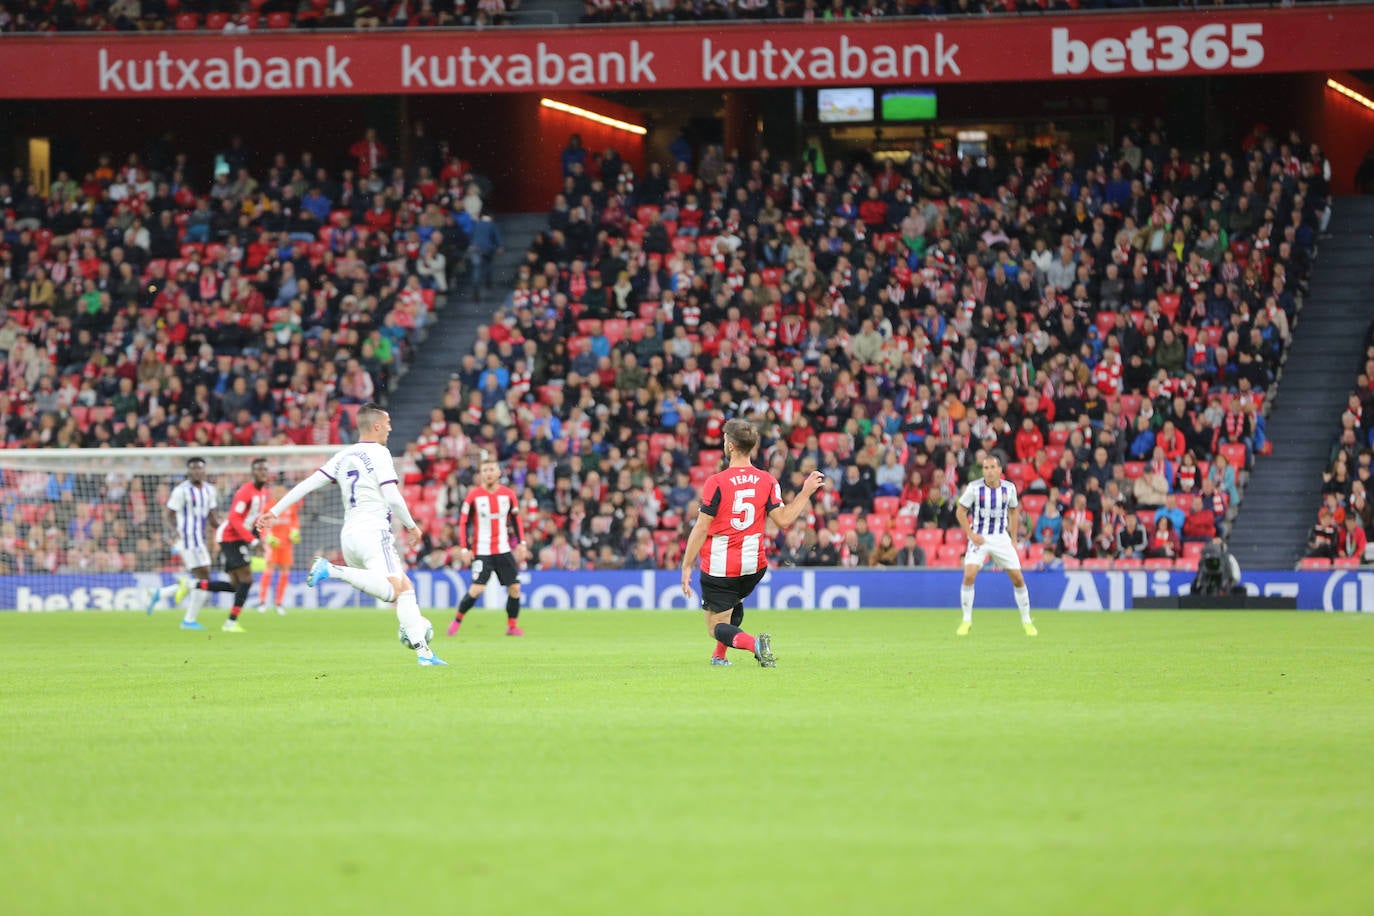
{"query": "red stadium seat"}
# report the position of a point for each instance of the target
(1159, 563)
(710, 458)
(878, 523)
(956, 537)
(1033, 504)
(1168, 304)
(614, 329)
(645, 212)
(949, 555)
(903, 524)
(1346, 562)
(1192, 550)
(1133, 469)
(1058, 436)
(886, 505)
(846, 521)
(832, 441)
(187, 22)
(1315, 563)
(1097, 563)
(1235, 454)
(1034, 554)
(930, 540)
(216, 22)
(279, 20)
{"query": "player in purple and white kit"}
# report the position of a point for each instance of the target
(990, 514)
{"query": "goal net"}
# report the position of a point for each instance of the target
(88, 529)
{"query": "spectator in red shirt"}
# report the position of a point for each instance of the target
(1029, 440)
(369, 151)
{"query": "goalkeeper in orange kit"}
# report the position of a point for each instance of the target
(280, 539)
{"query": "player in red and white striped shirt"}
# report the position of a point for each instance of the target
(493, 510)
(736, 504)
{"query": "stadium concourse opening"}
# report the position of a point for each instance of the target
(515, 140)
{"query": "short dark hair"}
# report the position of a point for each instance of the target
(367, 414)
(195, 460)
(258, 461)
(742, 434)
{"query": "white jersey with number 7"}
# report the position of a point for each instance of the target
(360, 471)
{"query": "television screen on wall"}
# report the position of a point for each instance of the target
(908, 104)
(843, 106)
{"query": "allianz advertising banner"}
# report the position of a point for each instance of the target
(1337, 590)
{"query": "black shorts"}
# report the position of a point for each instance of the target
(503, 564)
(234, 555)
(723, 593)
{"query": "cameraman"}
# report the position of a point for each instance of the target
(1218, 573)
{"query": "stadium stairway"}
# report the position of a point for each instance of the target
(1280, 502)
(455, 331)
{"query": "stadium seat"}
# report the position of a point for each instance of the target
(886, 505)
(1235, 454)
(614, 329)
(1033, 504)
(1105, 322)
(1133, 469)
(1346, 562)
(279, 20)
(949, 555)
(1130, 406)
(216, 22)
(930, 540)
(832, 441)
(644, 213)
(1315, 563)
(1130, 563)
(710, 458)
(1035, 553)
(1168, 304)
(1059, 435)
(1098, 563)
(1192, 550)
(846, 521)
(879, 523)
(187, 22)
(648, 310)
(956, 537)
(903, 524)
(1147, 518)
(699, 474)
(1159, 563)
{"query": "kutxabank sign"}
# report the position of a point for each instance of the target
(1003, 49)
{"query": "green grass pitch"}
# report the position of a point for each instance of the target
(1118, 763)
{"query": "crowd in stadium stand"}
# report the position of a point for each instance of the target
(1344, 527)
(19, 16)
(1107, 322)
(260, 305)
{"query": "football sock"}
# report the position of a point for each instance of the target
(167, 592)
(365, 581)
(737, 615)
(720, 650)
(734, 636)
(408, 615)
(464, 606)
(966, 601)
(264, 586)
(240, 598)
(194, 603)
(512, 609)
(281, 588)
(1022, 597)
(206, 585)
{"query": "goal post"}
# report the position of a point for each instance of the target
(88, 526)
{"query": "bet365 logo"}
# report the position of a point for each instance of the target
(1160, 49)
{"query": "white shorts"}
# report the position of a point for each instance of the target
(997, 546)
(194, 557)
(371, 548)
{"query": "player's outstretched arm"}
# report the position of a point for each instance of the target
(299, 492)
(397, 504)
(1014, 524)
(784, 516)
(694, 542)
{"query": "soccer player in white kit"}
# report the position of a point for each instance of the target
(990, 515)
(367, 480)
(191, 511)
